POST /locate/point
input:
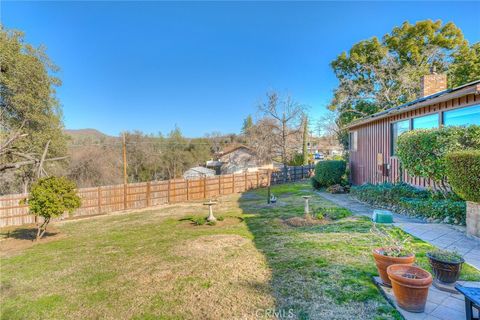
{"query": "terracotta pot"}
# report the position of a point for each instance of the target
(383, 262)
(410, 293)
(445, 271)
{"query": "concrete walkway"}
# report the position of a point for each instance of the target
(440, 235)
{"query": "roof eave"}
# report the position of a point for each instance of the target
(470, 88)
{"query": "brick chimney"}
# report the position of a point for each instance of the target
(433, 83)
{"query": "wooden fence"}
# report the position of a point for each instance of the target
(105, 199)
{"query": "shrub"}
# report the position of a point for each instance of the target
(315, 184)
(463, 172)
(404, 198)
(422, 152)
(50, 198)
(436, 209)
(387, 193)
(329, 172)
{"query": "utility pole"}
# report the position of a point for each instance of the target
(124, 160)
(124, 144)
(305, 141)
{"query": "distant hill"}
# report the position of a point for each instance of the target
(88, 136)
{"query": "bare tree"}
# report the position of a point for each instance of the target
(262, 139)
(285, 115)
(329, 128)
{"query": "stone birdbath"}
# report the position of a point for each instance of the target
(210, 204)
(307, 208)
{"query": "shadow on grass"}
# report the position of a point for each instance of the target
(318, 271)
(25, 234)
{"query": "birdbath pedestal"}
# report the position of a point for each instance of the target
(307, 209)
(210, 204)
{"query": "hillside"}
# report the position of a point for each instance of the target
(88, 136)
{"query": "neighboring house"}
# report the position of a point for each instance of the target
(373, 138)
(321, 147)
(198, 172)
(237, 160)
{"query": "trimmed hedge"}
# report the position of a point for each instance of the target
(422, 152)
(329, 172)
(463, 172)
(403, 198)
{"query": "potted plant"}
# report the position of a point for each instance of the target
(410, 286)
(446, 265)
(395, 249)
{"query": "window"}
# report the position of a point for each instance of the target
(397, 129)
(426, 122)
(353, 141)
(462, 117)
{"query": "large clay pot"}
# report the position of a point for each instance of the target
(410, 286)
(383, 261)
(445, 271)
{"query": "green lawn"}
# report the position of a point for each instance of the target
(157, 265)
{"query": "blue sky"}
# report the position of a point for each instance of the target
(204, 65)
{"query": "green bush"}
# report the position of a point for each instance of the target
(463, 172)
(329, 172)
(422, 152)
(404, 198)
(388, 194)
(436, 209)
(50, 198)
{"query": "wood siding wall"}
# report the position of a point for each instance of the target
(374, 138)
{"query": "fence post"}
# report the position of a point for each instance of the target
(168, 190)
(205, 187)
(258, 179)
(125, 186)
(233, 186)
(148, 194)
(99, 196)
(188, 198)
(246, 180)
(220, 185)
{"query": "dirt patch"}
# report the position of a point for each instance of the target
(219, 244)
(15, 241)
(304, 222)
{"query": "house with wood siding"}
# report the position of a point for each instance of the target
(373, 138)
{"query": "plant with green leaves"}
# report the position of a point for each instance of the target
(50, 198)
(463, 172)
(329, 172)
(446, 256)
(423, 152)
(31, 115)
(377, 74)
